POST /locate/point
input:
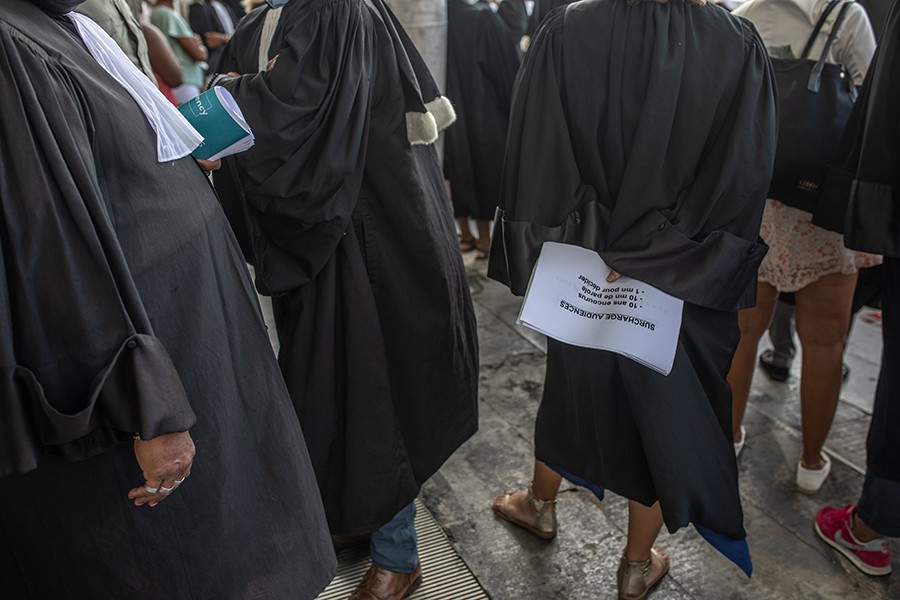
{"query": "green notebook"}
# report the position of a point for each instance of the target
(217, 117)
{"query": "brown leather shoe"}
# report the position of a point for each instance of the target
(381, 584)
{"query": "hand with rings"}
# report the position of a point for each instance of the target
(163, 489)
(169, 490)
(166, 461)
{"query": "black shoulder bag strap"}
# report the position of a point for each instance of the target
(819, 24)
(815, 76)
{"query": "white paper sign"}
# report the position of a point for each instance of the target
(569, 300)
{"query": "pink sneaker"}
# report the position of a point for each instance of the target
(833, 525)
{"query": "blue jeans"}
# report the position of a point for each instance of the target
(394, 547)
(879, 505)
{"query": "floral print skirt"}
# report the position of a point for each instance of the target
(800, 252)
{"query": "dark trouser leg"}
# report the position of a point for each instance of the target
(781, 332)
(395, 547)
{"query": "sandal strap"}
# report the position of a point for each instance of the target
(537, 504)
(642, 565)
(631, 578)
(632, 575)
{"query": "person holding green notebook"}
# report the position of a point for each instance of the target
(129, 332)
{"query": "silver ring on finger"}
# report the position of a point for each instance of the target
(150, 490)
(164, 490)
(180, 481)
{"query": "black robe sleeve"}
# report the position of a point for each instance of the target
(873, 213)
(80, 369)
(310, 115)
(658, 159)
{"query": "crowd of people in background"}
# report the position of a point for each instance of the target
(154, 445)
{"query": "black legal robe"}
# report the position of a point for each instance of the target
(351, 232)
(873, 218)
(126, 307)
(645, 132)
(871, 208)
(862, 200)
(204, 19)
(540, 10)
(481, 66)
(515, 16)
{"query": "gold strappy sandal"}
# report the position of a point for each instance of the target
(632, 574)
(545, 526)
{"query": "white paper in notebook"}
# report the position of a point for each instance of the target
(569, 300)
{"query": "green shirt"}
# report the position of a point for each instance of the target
(174, 27)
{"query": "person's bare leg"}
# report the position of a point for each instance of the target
(545, 481)
(484, 233)
(823, 313)
(465, 233)
(644, 523)
(544, 484)
(863, 532)
(753, 322)
(483, 245)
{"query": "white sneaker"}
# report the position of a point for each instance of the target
(809, 481)
(739, 445)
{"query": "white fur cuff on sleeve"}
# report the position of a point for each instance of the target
(423, 128)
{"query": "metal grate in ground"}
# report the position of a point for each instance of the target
(444, 575)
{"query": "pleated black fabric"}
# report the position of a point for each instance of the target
(125, 306)
(647, 436)
(540, 10)
(873, 214)
(643, 132)
(883, 441)
(351, 231)
(481, 66)
(515, 15)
